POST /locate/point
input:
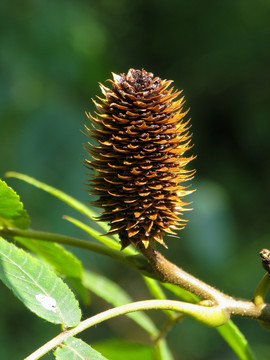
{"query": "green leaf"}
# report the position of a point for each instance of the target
(237, 341)
(106, 240)
(162, 351)
(115, 295)
(156, 290)
(154, 287)
(181, 293)
(62, 260)
(39, 288)
(74, 203)
(76, 349)
(116, 349)
(12, 213)
(80, 289)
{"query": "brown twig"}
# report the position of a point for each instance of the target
(171, 273)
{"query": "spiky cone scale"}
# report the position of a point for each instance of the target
(141, 138)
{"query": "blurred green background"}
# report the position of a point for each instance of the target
(52, 56)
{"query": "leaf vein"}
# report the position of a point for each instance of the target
(19, 266)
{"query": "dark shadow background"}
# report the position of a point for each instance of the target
(52, 56)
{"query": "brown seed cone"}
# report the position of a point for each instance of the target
(141, 140)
